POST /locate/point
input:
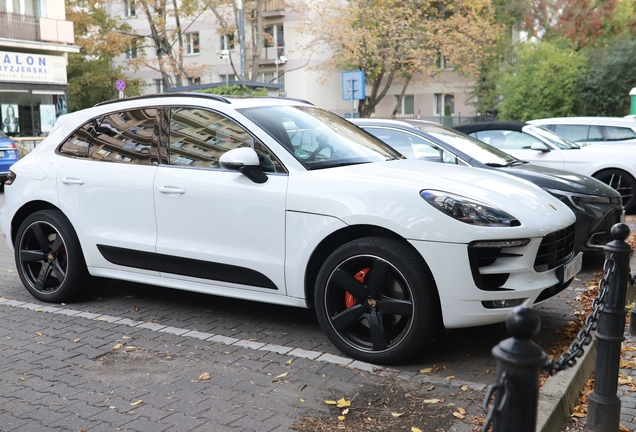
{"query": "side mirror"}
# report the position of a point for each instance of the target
(540, 147)
(244, 160)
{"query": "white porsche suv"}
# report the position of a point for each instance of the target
(278, 201)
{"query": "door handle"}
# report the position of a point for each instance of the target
(171, 190)
(72, 181)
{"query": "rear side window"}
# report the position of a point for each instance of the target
(578, 133)
(617, 133)
(125, 137)
(118, 137)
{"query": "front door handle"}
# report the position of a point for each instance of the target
(171, 190)
(72, 181)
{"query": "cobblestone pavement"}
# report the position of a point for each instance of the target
(137, 358)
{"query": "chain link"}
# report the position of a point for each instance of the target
(584, 338)
(502, 387)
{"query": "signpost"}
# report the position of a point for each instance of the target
(121, 86)
(353, 87)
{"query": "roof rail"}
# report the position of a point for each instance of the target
(154, 96)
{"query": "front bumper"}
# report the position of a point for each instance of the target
(463, 303)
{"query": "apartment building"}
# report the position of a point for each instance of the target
(294, 74)
(35, 39)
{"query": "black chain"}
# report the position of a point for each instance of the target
(584, 338)
(503, 388)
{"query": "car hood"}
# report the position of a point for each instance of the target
(388, 193)
(552, 178)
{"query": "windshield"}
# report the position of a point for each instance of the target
(477, 150)
(318, 138)
(554, 139)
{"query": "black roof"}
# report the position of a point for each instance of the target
(476, 127)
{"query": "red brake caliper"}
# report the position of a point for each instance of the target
(349, 299)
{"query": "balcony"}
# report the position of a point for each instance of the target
(274, 8)
(31, 28)
(22, 27)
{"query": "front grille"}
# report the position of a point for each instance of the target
(603, 235)
(555, 249)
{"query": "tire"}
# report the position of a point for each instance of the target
(49, 257)
(623, 182)
(392, 307)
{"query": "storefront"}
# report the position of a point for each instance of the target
(33, 92)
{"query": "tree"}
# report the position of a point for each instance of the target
(603, 90)
(91, 78)
(394, 40)
(540, 82)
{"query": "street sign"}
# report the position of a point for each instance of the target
(121, 85)
(353, 84)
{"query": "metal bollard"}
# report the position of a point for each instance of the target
(604, 405)
(519, 364)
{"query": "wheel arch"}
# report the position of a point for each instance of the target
(24, 212)
(344, 235)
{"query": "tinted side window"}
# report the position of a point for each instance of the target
(576, 133)
(125, 137)
(616, 133)
(199, 137)
(507, 139)
(77, 144)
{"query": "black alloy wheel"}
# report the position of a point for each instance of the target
(623, 182)
(376, 300)
(49, 258)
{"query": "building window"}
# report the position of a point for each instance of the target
(444, 104)
(274, 41)
(227, 41)
(129, 8)
(159, 85)
(194, 81)
(407, 106)
(192, 43)
(443, 63)
(131, 53)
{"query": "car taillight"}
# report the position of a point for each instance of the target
(10, 178)
(12, 145)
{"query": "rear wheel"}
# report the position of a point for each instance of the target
(49, 258)
(623, 182)
(376, 300)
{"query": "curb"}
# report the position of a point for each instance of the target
(561, 391)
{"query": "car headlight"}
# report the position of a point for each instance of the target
(467, 210)
(578, 200)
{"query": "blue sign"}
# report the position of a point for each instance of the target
(353, 85)
(121, 85)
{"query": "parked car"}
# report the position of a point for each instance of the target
(597, 206)
(275, 200)
(610, 164)
(592, 130)
(8, 155)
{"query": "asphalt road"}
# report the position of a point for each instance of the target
(268, 366)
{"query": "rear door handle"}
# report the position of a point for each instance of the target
(72, 181)
(171, 190)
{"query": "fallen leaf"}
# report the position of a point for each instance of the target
(135, 309)
(433, 401)
(302, 400)
(414, 429)
(426, 370)
(283, 375)
(452, 404)
(204, 376)
(464, 387)
(22, 379)
(450, 377)
(130, 348)
(626, 365)
(331, 402)
(461, 410)
(458, 415)
(288, 362)
(622, 428)
(341, 418)
(76, 340)
(116, 347)
(345, 411)
(139, 402)
(578, 415)
(38, 333)
(396, 415)
(436, 368)
(342, 403)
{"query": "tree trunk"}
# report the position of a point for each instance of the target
(398, 103)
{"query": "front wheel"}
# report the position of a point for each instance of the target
(376, 300)
(623, 182)
(49, 257)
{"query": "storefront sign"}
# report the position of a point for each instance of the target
(27, 67)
